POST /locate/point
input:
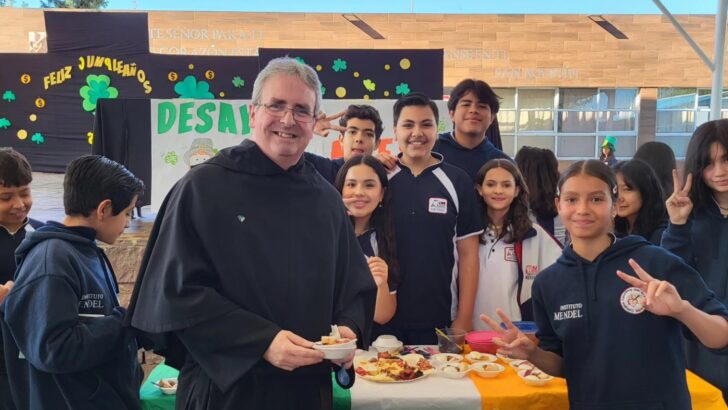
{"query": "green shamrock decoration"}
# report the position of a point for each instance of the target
(37, 138)
(369, 85)
(238, 82)
(339, 65)
(442, 126)
(402, 89)
(171, 158)
(98, 87)
(8, 96)
(300, 60)
(191, 88)
(4, 123)
(323, 90)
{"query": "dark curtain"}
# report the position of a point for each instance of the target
(122, 133)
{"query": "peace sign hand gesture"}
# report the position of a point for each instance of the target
(513, 343)
(679, 205)
(662, 297)
(324, 125)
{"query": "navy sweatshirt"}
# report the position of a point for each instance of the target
(467, 159)
(703, 244)
(65, 346)
(614, 359)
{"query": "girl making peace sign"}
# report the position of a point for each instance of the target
(698, 230)
(612, 329)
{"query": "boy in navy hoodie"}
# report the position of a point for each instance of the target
(15, 203)
(65, 346)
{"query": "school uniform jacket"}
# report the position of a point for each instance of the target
(703, 243)
(469, 160)
(65, 346)
(534, 253)
(240, 250)
(617, 356)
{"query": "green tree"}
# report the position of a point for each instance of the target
(74, 4)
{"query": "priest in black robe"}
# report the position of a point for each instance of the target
(251, 259)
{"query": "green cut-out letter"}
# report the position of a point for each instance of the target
(203, 113)
(246, 120)
(166, 116)
(185, 117)
(226, 122)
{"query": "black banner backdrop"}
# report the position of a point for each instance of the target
(48, 101)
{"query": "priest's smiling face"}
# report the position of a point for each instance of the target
(279, 127)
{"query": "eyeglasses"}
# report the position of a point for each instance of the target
(279, 110)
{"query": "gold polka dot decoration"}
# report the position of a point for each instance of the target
(318, 67)
(387, 67)
(22, 134)
(386, 93)
(191, 66)
(356, 74)
(405, 64)
(340, 92)
(25, 78)
(172, 76)
(222, 94)
(32, 117)
(40, 102)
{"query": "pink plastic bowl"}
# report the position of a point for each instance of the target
(482, 341)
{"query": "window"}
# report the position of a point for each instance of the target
(680, 111)
(572, 122)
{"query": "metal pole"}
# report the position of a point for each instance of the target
(716, 93)
(685, 34)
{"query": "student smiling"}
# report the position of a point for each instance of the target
(612, 327)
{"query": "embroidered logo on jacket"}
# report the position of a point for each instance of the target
(530, 271)
(438, 206)
(569, 311)
(510, 254)
(91, 301)
(633, 300)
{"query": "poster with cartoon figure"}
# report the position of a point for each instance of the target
(187, 132)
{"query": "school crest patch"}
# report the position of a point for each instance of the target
(633, 300)
(438, 206)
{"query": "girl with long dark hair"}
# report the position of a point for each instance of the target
(698, 230)
(362, 182)
(611, 313)
(640, 208)
(540, 169)
(513, 249)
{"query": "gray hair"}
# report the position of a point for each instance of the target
(293, 68)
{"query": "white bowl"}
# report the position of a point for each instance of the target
(337, 351)
(168, 390)
(487, 370)
(453, 370)
(519, 364)
(446, 358)
(480, 357)
(533, 380)
(504, 358)
(387, 343)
